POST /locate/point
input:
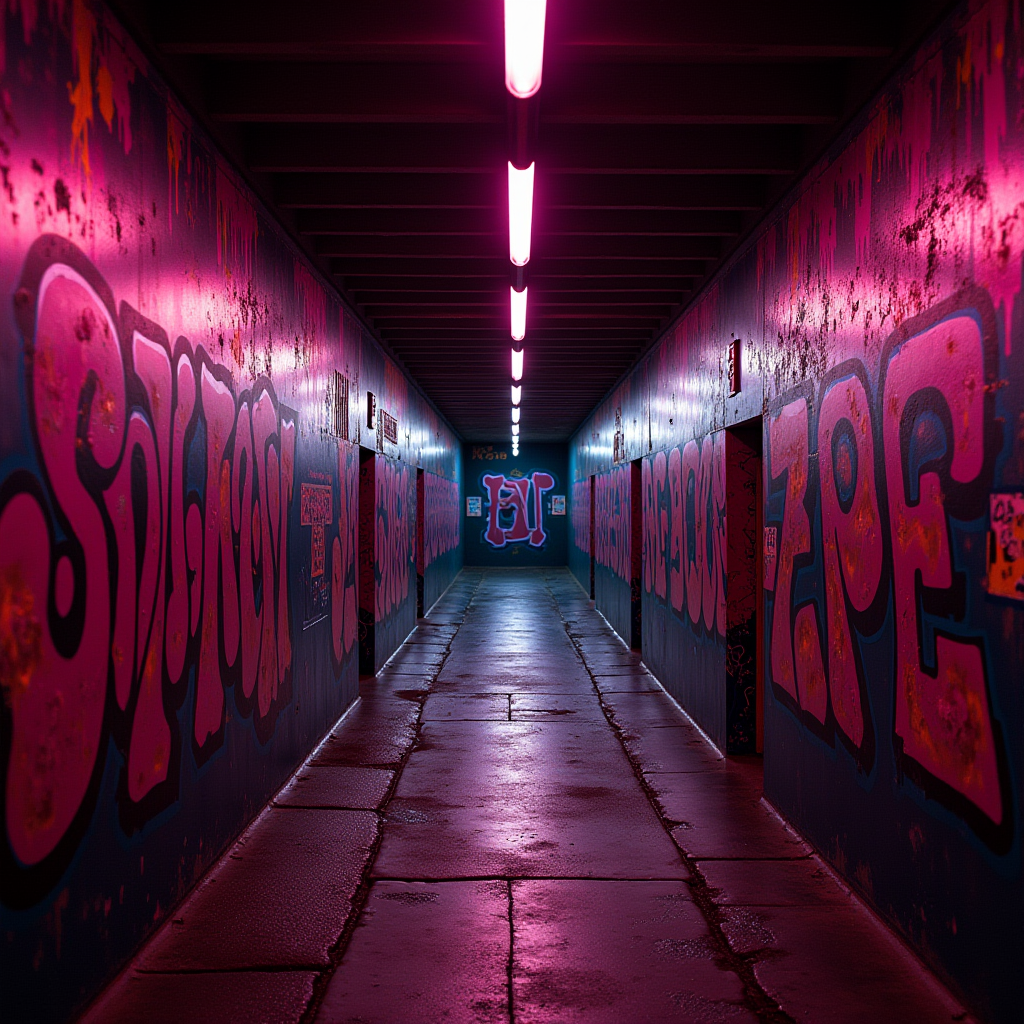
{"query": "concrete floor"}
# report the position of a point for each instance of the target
(515, 823)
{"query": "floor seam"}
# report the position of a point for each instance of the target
(511, 957)
(765, 1007)
(361, 895)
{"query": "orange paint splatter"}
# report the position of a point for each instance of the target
(237, 227)
(21, 647)
(80, 92)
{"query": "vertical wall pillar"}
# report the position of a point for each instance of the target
(742, 587)
(367, 561)
(636, 551)
(421, 558)
(593, 481)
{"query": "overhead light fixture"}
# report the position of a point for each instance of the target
(517, 394)
(518, 314)
(515, 413)
(524, 46)
(515, 429)
(520, 213)
(517, 364)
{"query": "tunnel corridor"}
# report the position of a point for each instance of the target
(511, 511)
(516, 823)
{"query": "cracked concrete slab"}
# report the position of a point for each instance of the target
(424, 952)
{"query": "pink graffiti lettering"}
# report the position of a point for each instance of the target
(942, 712)
(580, 518)
(612, 524)
(513, 494)
(443, 517)
(851, 538)
(684, 529)
(396, 516)
(788, 444)
(120, 435)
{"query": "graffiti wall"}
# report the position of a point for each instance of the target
(442, 535)
(617, 551)
(515, 510)
(181, 401)
(579, 532)
(387, 585)
(881, 337)
(683, 585)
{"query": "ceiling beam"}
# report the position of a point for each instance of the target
(354, 191)
(479, 149)
(399, 222)
(679, 223)
(451, 93)
(496, 298)
(486, 244)
(413, 289)
(404, 30)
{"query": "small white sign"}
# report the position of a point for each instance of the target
(475, 506)
(558, 504)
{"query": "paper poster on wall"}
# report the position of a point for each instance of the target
(474, 506)
(558, 504)
(316, 506)
(1006, 546)
(771, 535)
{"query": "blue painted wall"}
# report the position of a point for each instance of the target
(512, 491)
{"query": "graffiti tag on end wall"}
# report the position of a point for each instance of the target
(515, 509)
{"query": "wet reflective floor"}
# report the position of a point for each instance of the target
(515, 823)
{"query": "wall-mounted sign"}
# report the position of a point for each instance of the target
(771, 540)
(558, 504)
(390, 427)
(371, 411)
(618, 439)
(475, 506)
(1006, 546)
(338, 402)
(315, 511)
(734, 366)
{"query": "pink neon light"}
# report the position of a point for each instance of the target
(524, 46)
(516, 412)
(520, 213)
(518, 314)
(517, 364)
(517, 394)
(515, 429)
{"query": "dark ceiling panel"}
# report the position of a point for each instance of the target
(664, 130)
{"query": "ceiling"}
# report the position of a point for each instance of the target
(377, 131)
